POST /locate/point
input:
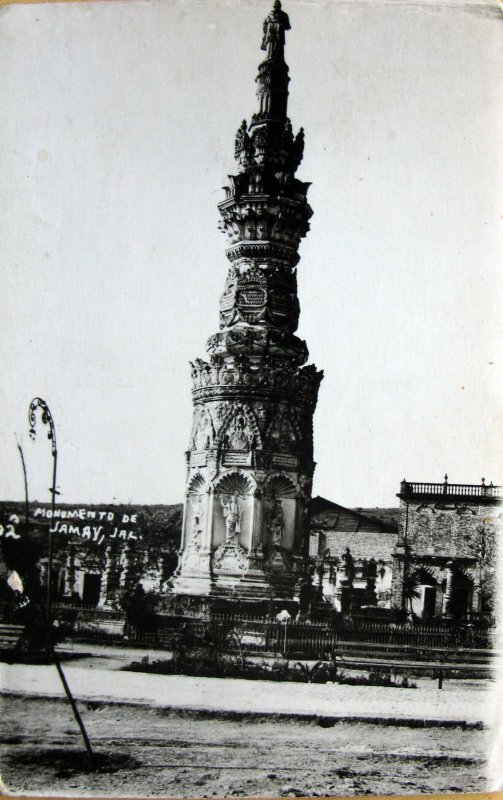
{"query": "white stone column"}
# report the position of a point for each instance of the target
(126, 567)
(447, 599)
(476, 604)
(184, 522)
(208, 518)
(70, 572)
(106, 577)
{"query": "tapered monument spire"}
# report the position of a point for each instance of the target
(250, 460)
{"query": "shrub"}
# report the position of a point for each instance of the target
(209, 663)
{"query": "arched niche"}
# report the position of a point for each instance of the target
(280, 513)
(239, 429)
(278, 484)
(283, 435)
(462, 594)
(424, 594)
(197, 484)
(195, 512)
(203, 434)
(233, 508)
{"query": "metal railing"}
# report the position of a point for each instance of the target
(260, 635)
(301, 639)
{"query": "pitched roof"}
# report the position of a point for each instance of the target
(388, 515)
(327, 515)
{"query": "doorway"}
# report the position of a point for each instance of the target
(91, 590)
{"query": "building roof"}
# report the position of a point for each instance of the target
(390, 516)
(327, 515)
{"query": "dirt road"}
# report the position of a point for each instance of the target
(148, 751)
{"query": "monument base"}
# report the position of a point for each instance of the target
(236, 576)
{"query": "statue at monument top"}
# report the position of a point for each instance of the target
(275, 25)
(272, 79)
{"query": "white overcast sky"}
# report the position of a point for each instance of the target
(117, 132)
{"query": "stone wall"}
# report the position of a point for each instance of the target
(445, 560)
(451, 529)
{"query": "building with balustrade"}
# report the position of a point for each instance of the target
(445, 559)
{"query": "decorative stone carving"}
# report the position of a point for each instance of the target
(197, 520)
(281, 436)
(238, 436)
(235, 482)
(275, 523)
(242, 145)
(239, 429)
(284, 253)
(280, 486)
(281, 380)
(232, 515)
(230, 557)
(204, 432)
(306, 485)
(278, 562)
(196, 485)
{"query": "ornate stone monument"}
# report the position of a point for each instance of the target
(250, 458)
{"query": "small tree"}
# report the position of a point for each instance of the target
(140, 608)
(411, 591)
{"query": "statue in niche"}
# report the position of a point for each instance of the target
(204, 432)
(276, 523)
(197, 521)
(232, 515)
(237, 436)
(283, 437)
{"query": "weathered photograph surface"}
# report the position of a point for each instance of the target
(231, 565)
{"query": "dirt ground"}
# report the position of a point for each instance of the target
(152, 752)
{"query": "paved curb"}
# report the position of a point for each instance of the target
(323, 720)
